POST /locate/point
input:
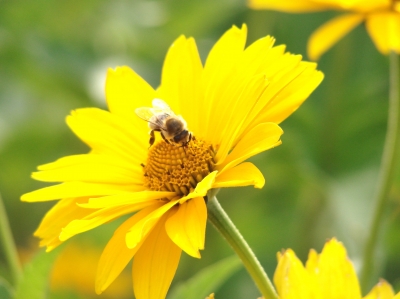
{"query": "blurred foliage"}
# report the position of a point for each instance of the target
(5, 289)
(207, 280)
(34, 283)
(320, 181)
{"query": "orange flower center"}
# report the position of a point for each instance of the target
(177, 168)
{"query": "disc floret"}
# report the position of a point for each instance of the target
(179, 169)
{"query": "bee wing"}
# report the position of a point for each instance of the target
(144, 113)
(159, 106)
(158, 103)
(148, 115)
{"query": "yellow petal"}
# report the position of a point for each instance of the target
(187, 226)
(126, 91)
(312, 269)
(291, 279)
(62, 213)
(125, 199)
(229, 47)
(289, 87)
(101, 216)
(91, 168)
(293, 94)
(336, 275)
(241, 92)
(111, 135)
(259, 139)
(155, 264)
(116, 254)
(290, 82)
(244, 174)
(288, 5)
(256, 58)
(383, 290)
(180, 82)
(331, 32)
(77, 189)
(69, 161)
(312, 262)
(244, 94)
(218, 73)
(201, 188)
(384, 29)
(137, 232)
(363, 6)
(281, 69)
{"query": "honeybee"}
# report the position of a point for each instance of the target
(161, 118)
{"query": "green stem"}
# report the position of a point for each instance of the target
(387, 171)
(221, 221)
(8, 246)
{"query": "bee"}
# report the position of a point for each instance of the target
(161, 118)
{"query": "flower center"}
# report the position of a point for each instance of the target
(176, 168)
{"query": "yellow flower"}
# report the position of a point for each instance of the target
(382, 19)
(231, 105)
(328, 275)
(80, 277)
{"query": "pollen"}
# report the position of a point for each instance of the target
(176, 168)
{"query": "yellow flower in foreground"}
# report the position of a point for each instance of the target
(328, 275)
(382, 18)
(231, 105)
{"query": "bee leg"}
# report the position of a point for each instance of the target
(190, 137)
(152, 138)
(145, 173)
(184, 145)
(165, 139)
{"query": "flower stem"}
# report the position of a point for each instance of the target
(221, 221)
(8, 246)
(386, 174)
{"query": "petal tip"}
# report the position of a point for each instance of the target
(24, 197)
(259, 184)
(98, 289)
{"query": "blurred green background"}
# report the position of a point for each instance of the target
(320, 181)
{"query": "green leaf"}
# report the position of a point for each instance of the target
(35, 277)
(5, 289)
(206, 281)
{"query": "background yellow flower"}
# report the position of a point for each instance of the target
(81, 277)
(327, 275)
(382, 18)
